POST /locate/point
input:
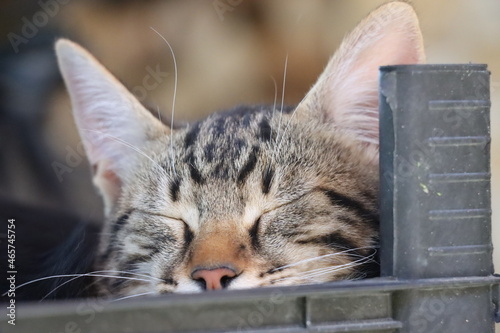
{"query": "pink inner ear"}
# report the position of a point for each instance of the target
(112, 178)
(393, 48)
(107, 181)
(389, 36)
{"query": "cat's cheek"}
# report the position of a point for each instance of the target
(186, 285)
(245, 281)
(142, 289)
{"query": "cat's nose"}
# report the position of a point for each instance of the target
(213, 279)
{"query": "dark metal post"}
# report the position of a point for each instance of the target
(435, 192)
(435, 162)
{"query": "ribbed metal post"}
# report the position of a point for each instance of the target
(435, 192)
(435, 171)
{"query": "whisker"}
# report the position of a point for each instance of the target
(159, 114)
(322, 271)
(274, 104)
(95, 272)
(159, 118)
(284, 84)
(131, 296)
(286, 129)
(332, 270)
(150, 278)
(337, 268)
(323, 257)
(173, 99)
(282, 103)
(355, 263)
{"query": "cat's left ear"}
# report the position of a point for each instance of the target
(113, 124)
(346, 94)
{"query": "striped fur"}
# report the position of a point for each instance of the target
(280, 197)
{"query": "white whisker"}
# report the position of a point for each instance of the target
(96, 272)
(327, 270)
(131, 296)
(159, 118)
(286, 129)
(284, 84)
(159, 114)
(274, 104)
(281, 110)
(173, 100)
(322, 257)
(83, 275)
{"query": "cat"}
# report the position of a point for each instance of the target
(250, 197)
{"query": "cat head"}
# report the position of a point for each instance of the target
(250, 197)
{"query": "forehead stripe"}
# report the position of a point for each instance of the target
(115, 229)
(249, 165)
(341, 200)
(265, 130)
(174, 189)
(192, 135)
(267, 178)
(334, 240)
(193, 171)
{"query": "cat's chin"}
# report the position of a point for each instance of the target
(186, 286)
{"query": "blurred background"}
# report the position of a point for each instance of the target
(228, 52)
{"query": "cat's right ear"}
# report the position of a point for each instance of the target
(112, 123)
(346, 94)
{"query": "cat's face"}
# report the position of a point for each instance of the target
(251, 197)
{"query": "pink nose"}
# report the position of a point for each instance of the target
(214, 279)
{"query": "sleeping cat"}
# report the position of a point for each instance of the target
(254, 196)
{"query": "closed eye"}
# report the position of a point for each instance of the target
(188, 234)
(161, 215)
(289, 202)
(254, 230)
(254, 234)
